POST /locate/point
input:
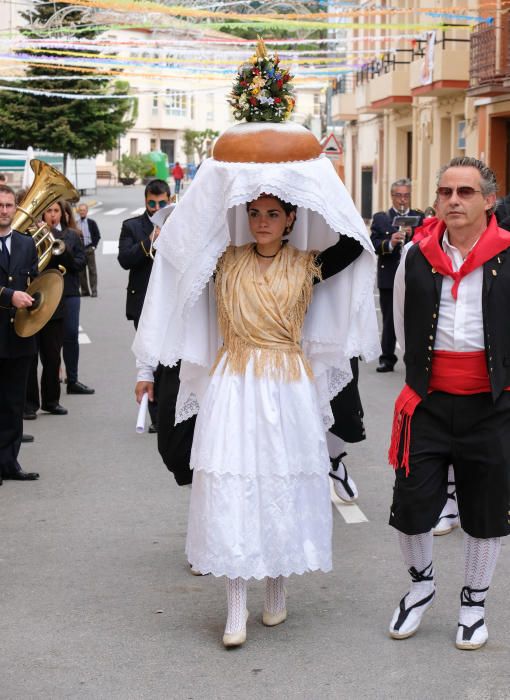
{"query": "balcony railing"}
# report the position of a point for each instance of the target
(377, 67)
(489, 55)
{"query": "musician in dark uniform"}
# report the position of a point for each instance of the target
(388, 242)
(136, 237)
(18, 265)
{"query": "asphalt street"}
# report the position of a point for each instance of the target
(96, 597)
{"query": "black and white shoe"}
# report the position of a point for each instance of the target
(449, 518)
(407, 617)
(344, 486)
(472, 632)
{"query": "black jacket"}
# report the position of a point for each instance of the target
(22, 269)
(94, 232)
(74, 260)
(381, 231)
(134, 246)
(423, 292)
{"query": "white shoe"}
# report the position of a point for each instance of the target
(449, 518)
(406, 620)
(472, 632)
(446, 524)
(273, 619)
(343, 484)
(236, 639)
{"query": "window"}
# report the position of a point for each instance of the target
(316, 104)
(155, 104)
(133, 147)
(209, 106)
(154, 144)
(110, 156)
(176, 103)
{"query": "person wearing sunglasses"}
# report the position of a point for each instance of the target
(136, 236)
(388, 241)
(455, 406)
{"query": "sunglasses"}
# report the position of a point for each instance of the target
(154, 205)
(464, 192)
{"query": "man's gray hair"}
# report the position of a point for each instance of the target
(403, 182)
(488, 182)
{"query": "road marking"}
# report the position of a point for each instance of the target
(83, 338)
(94, 211)
(351, 513)
(110, 247)
(114, 212)
(137, 212)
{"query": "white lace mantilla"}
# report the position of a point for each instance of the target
(179, 314)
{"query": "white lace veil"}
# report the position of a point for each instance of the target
(178, 321)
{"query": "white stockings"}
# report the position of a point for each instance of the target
(417, 553)
(236, 602)
(275, 595)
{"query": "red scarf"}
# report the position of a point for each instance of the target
(492, 241)
(423, 231)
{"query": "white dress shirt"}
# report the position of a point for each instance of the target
(460, 321)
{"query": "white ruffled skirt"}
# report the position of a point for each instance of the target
(260, 502)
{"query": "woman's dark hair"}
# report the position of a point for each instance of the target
(63, 217)
(287, 207)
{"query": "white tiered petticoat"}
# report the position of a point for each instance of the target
(260, 502)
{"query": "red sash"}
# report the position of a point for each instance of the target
(460, 373)
(492, 241)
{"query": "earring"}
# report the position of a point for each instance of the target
(287, 230)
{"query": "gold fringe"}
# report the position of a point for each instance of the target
(283, 364)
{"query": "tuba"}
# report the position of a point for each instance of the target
(46, 289)
(48, 186)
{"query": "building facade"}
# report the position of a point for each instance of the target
(442, 94)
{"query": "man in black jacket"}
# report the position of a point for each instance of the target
(134, 247)
(136, 237)
(388, 242)
(18, 264)
(90, 237)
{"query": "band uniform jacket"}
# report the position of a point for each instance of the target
(381, 231)
(22, 269)
(134, 246)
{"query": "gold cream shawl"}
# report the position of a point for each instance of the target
(261, 315)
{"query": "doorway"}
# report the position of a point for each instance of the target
(366, 193)
(168, 147)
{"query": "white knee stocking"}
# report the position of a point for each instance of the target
(275, 595)
(236, 601)
(417, 553)
(335, 444)
(480, 557)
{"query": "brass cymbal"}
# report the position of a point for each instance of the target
(47, 291)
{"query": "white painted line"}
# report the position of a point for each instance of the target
(110, 247)
(94, 211)
(137, 212)
(114, 212)
(350, 512)
(83, 339)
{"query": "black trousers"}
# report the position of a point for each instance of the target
(50, 340)
(388, 338)
(13, 385)
(473, 434)
(348, 410)
(153, 405)
(174, 441)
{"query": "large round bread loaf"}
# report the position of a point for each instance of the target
(266, 142)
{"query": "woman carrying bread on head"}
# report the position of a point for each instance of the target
(264, 326)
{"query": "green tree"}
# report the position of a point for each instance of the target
(80, 128)
(198, 142)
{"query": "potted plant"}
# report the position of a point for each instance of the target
(146, 168)
(127, 167)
